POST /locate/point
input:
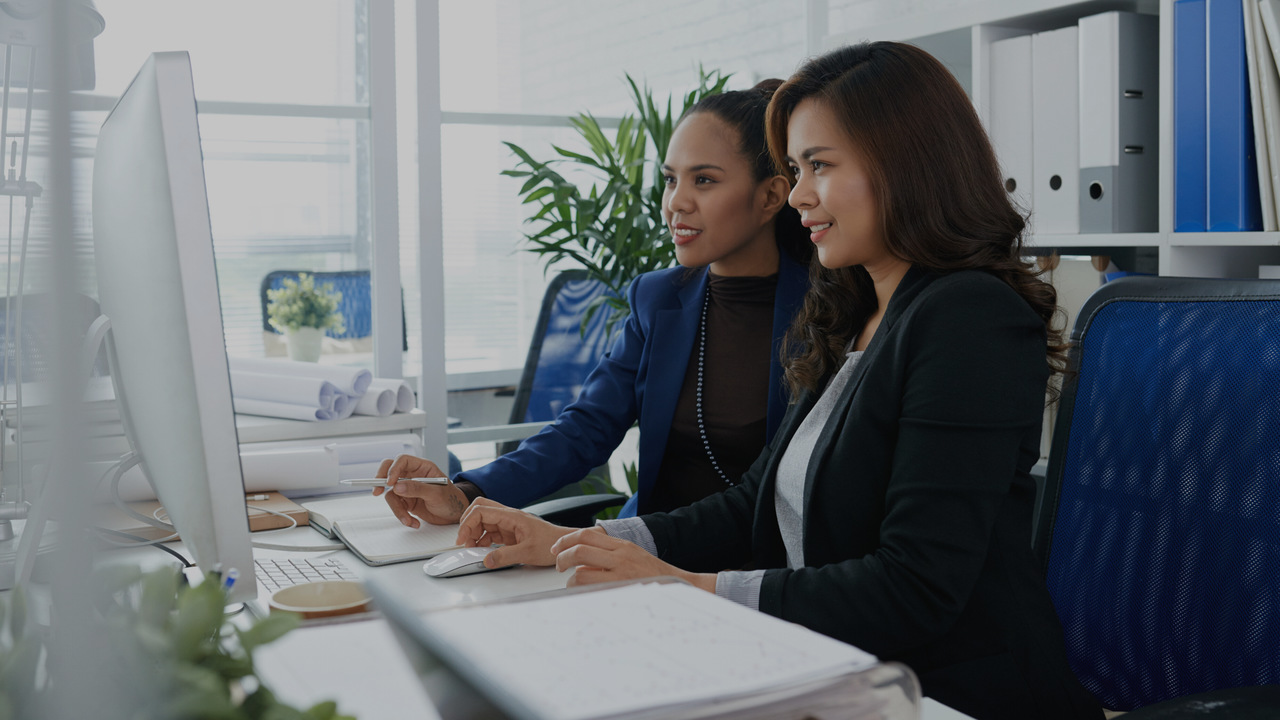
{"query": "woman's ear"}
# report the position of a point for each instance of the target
(771, 195)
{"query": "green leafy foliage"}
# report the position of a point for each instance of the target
(158, 650)
(613, 228)
(301, 304)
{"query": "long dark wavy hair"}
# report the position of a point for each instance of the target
(936, 180)
(744, 111)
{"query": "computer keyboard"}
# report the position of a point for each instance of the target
(275, 574)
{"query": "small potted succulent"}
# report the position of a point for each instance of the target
(303, 312)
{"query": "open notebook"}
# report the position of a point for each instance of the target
(365, 524)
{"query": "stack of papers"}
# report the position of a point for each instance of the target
(665, 650)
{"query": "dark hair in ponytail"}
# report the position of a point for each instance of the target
(745, 110)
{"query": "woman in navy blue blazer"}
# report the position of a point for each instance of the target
(698, 360)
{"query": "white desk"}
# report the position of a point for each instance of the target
(368, 675)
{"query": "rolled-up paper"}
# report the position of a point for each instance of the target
(294, 469)
(379, 403)
(264, 471)
(350, 380)
(344, 405)
(404, 395)
(355, 452)
(294, 390)
(360, 470)
(269, 408)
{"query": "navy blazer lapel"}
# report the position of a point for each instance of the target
(674, 331)
(908, 288)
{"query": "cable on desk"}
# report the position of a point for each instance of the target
(141, 541)
(293, 523)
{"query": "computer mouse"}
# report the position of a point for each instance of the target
(463, 561)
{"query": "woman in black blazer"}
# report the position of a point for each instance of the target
(893, 508)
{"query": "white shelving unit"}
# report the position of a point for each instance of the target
(961, 37)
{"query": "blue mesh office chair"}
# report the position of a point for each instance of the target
(561, 354)
(356, 305)
(1160, 522)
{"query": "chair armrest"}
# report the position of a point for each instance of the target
(494, 433)
(576, 511)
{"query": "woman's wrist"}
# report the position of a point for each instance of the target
(702, 581)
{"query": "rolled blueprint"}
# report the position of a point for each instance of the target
(289, 411)
(379, 403)
(344, 405)
(294, 390)
(404, 395)
(350, 380)
(356, 452)
(264, 471)
(361, 470)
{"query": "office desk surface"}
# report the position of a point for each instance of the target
(359, 663)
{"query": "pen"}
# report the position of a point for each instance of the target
(384, 481)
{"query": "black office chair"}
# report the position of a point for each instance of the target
(563, 351)
(356, 305)
(1160, 524)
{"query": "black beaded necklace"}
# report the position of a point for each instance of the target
(702, 352)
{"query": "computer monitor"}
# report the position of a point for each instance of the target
(158, 286)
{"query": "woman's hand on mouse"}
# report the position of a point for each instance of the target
(524, 538)
(600, 557)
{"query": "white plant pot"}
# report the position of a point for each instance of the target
(304, 343)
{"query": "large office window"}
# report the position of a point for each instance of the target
(282, 92)
(516, 71)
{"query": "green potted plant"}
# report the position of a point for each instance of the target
(303, 312)
(614, 228)
(140, 647)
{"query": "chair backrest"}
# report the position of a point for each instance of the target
(356, 305)
(35, 336)
(1160, 524)
(562, 352)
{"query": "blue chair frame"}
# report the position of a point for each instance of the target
(1159, 528)
(563, 351)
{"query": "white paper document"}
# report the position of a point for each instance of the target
(630, 648)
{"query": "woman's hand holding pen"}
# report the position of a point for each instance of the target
(437, 504)
(600, 558)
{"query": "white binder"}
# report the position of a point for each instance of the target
(1259, 59)
(1011, 121)
(1055, 131)
(1266, 31)
(1119, 123)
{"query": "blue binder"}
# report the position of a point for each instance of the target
(1190, 142)
(1234, 203)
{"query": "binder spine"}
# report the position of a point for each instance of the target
(1119, 123)
(1190, 140)
(1233, 200)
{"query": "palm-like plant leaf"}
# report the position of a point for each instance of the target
(614, 227)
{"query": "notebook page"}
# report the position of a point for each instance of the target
(385, 537)
(636, 647)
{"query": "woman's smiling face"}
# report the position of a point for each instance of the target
(833, 190)
(712, 203)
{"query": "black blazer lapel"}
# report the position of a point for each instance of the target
(908, 289)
